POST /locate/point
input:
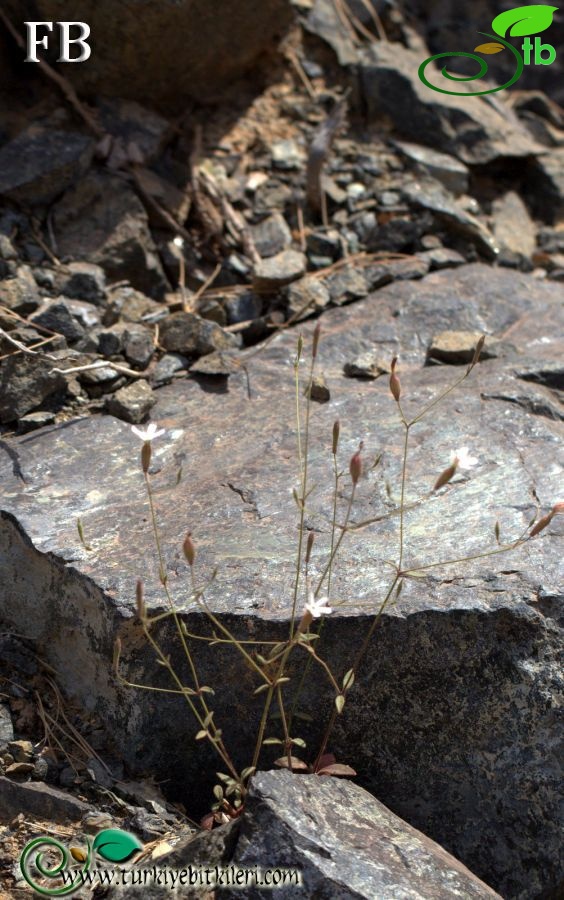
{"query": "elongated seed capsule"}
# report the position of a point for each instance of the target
(395, 386)
(315, 344)
(336, 432)
(189, 549)
(478, 351)
(310, 540)
(146, 452)
(445, 477)
(355, 465)
(139, 599)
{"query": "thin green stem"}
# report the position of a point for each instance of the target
(304, 471)
(402, 496)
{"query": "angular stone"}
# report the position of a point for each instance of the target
(25, 382)
(130, 305)
(457, 347)
(243, 307)
(190, 335)
(39, 164)
(20, 294)
(466, 127)
(82, 281)
(6, 727)
(431, 195)
(453, 708)
(219, 364)
(67, 317)
(346, 285)
(138, 346)
(442, 258)
(512, 225)
(273, 273)
(449, 171)
(102, 220)
(22, 751)
(547, 186)
(38, 800)
(134, 124)
(271, 236)
(345, 843)
(307, 297)
(181, 50)
(19, 769)
(367, 365)
(35, 420)
(342, 842)
(319, 391)
(168, 367)
(132, 403)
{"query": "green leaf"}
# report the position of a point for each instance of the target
(339, 703)
(524, 20)
(348, 680)
(492, 47)
(299, 742)
(116, 845)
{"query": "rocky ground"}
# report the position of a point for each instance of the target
(158, 257)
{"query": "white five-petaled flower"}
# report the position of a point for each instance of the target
(462, 460)
(151, 432)
(318, 607)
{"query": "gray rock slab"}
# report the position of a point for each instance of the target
(101, 219)
(38, 164)
(452, 722)
(470, 128)
(173, 51)
(345, 843)
(39, 800)
(331, 835)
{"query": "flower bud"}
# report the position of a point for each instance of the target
(445, 477)
(189, 549)
(478, 351)
(336, 432)
(316, 333)
(310, 540)
(541, 524)
(395, 386)
(355, 465)
(146, 456)
(139, 599)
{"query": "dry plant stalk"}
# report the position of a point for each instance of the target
(319, 152)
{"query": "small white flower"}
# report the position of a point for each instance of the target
(150, 433)
(318, 607)
(462, 460)
(178, 242)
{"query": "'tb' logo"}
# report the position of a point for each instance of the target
(519, 22)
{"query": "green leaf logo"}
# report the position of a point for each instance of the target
(524, 20)
(116, 845)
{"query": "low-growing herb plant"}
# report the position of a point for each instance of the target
(309, 603)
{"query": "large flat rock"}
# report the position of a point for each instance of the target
(452, 722)
(162, 51)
